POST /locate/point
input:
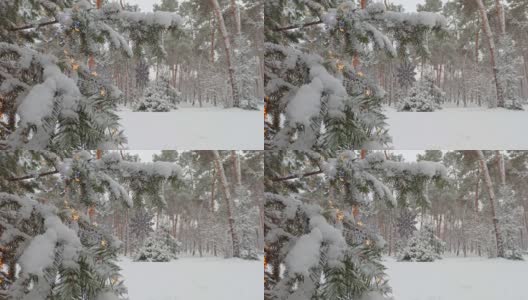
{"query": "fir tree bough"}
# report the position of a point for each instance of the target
(57, 100)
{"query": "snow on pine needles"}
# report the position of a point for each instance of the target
(194, 278)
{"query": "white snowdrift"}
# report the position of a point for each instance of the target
(194, 129)
(194, 278)
(458, 279)
(458, 129)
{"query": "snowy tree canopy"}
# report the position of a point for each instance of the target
(319, 96)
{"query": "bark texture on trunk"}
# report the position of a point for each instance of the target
(227, 47)
(477, 192)
(500, 16)
(491, 193)
(236, 16)
(477, 42)
(213, 184)
(502, 169)
(491, 45)
(227, 195)
(236, 165)
(213, 29)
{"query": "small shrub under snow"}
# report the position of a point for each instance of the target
(422, 97)
(159, 96)
(423, 246)
(159, 247)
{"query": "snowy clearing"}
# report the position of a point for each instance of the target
(194, 278)
(458, 279)
(458, 129)
(191, 128)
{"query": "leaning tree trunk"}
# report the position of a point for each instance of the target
(491, 193)
(491, 44)
(227, 47)
(227, 195)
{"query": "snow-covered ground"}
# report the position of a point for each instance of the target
(459, 279)
(454, 128)
(192, 278)
(191, 128)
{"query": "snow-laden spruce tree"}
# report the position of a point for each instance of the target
(424, 96)
(50, 244)
(50, 93)
(142, 75)
(406, 226)
(159, 247)
(318, 244)
(423, 246)
(510, 215)
(246, 73)
(509, 64)
(246, 221)
(165, 233)
(318, 95)
(141, 225)
(159, 96)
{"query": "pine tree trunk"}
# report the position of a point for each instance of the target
(477, 192)
(500, 16)
(227, 47)
(391, 229)
(525, 215)
(227, 195)
(213, 29)
(127, 235)
(236, 17)
(464, 92)
(502, 170)
(491, 44)
(491, 193)
(525, 69)
(236, 166)
(213, 179)
(477, 41)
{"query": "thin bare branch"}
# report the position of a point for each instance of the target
(297, 176)
(31, 176)
(298, 26)
(29, 26)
